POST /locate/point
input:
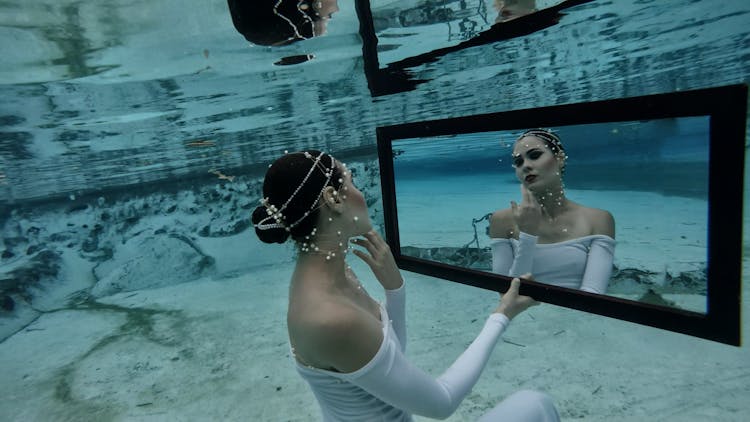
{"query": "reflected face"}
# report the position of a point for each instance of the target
(328, 8)
(509, 9)
(325, 9)
(536, 165)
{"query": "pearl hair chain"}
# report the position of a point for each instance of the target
(277, 213)
(305, 17)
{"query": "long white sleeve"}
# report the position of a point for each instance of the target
(390, 376)
(395, 305)
(599, 265)
(514, 261)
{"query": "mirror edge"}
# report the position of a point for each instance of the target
(727, 109)
(396, 77)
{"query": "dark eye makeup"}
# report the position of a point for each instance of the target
(533, 154)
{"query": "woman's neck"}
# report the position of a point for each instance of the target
(324, 257)
(553, 201)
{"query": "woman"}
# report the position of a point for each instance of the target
(511, 9)
(348, 347)
(559, 241)
(281, 22)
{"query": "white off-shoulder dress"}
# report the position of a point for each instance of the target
(584, 263)
(390, 388)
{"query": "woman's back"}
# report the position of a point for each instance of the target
(342, 400)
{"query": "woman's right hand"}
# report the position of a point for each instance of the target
(380, 259)
(528, 214)
(512, 304)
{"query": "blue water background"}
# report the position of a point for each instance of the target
(107, 97)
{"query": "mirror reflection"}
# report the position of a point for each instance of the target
(614, 208)
(281, 22)
(407, 28)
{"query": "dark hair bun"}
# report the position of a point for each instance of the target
(275, 235)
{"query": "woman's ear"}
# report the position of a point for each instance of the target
(332, 199)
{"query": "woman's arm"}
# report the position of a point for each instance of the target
(395, 305)
(599, 266)
(380, 259)
(601, 253)
(507, 259)
(390, 376)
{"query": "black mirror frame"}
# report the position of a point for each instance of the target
(727, 110)
(396, 78)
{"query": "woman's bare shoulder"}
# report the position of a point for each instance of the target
(501, 223)
(602, 221)
(336, 335)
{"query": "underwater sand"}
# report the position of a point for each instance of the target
(217, 350)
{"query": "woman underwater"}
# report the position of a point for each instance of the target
(281, 22)
(559, 241)
(348, 347)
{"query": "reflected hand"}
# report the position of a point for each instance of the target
(380, 259)
(528, 215)
(512, 304)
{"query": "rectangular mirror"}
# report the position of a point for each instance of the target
(637, 217)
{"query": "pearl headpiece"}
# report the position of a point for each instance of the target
(546, 135)
(277, 214)
(305, 16)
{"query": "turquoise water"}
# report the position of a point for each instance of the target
(118, 120)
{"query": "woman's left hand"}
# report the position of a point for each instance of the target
(380, 259)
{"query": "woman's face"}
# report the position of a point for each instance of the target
(511, 9)
(325, 9)
(535, 163)
(356, 205)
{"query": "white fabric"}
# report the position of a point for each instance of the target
(389, 387)
(395, 306)
(523, 406)
(584, 263)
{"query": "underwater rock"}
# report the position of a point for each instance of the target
(467, 257)
(638, 281)
(11, 242)
(635, 274)
(655, 298)
(31, 250)
(30, 273)
(136, 239)
(690, 281)
(7, 303)
(89, 245)
(230, 228)
(17, 318)
(60, 237)
(78, 207)
(22, 282)
(150, 261)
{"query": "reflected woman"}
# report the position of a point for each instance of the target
(559, 241)
(281, 22)
(348, 347)
(511, 9)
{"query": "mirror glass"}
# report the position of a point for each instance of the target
(407, 28)
(650, 175)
